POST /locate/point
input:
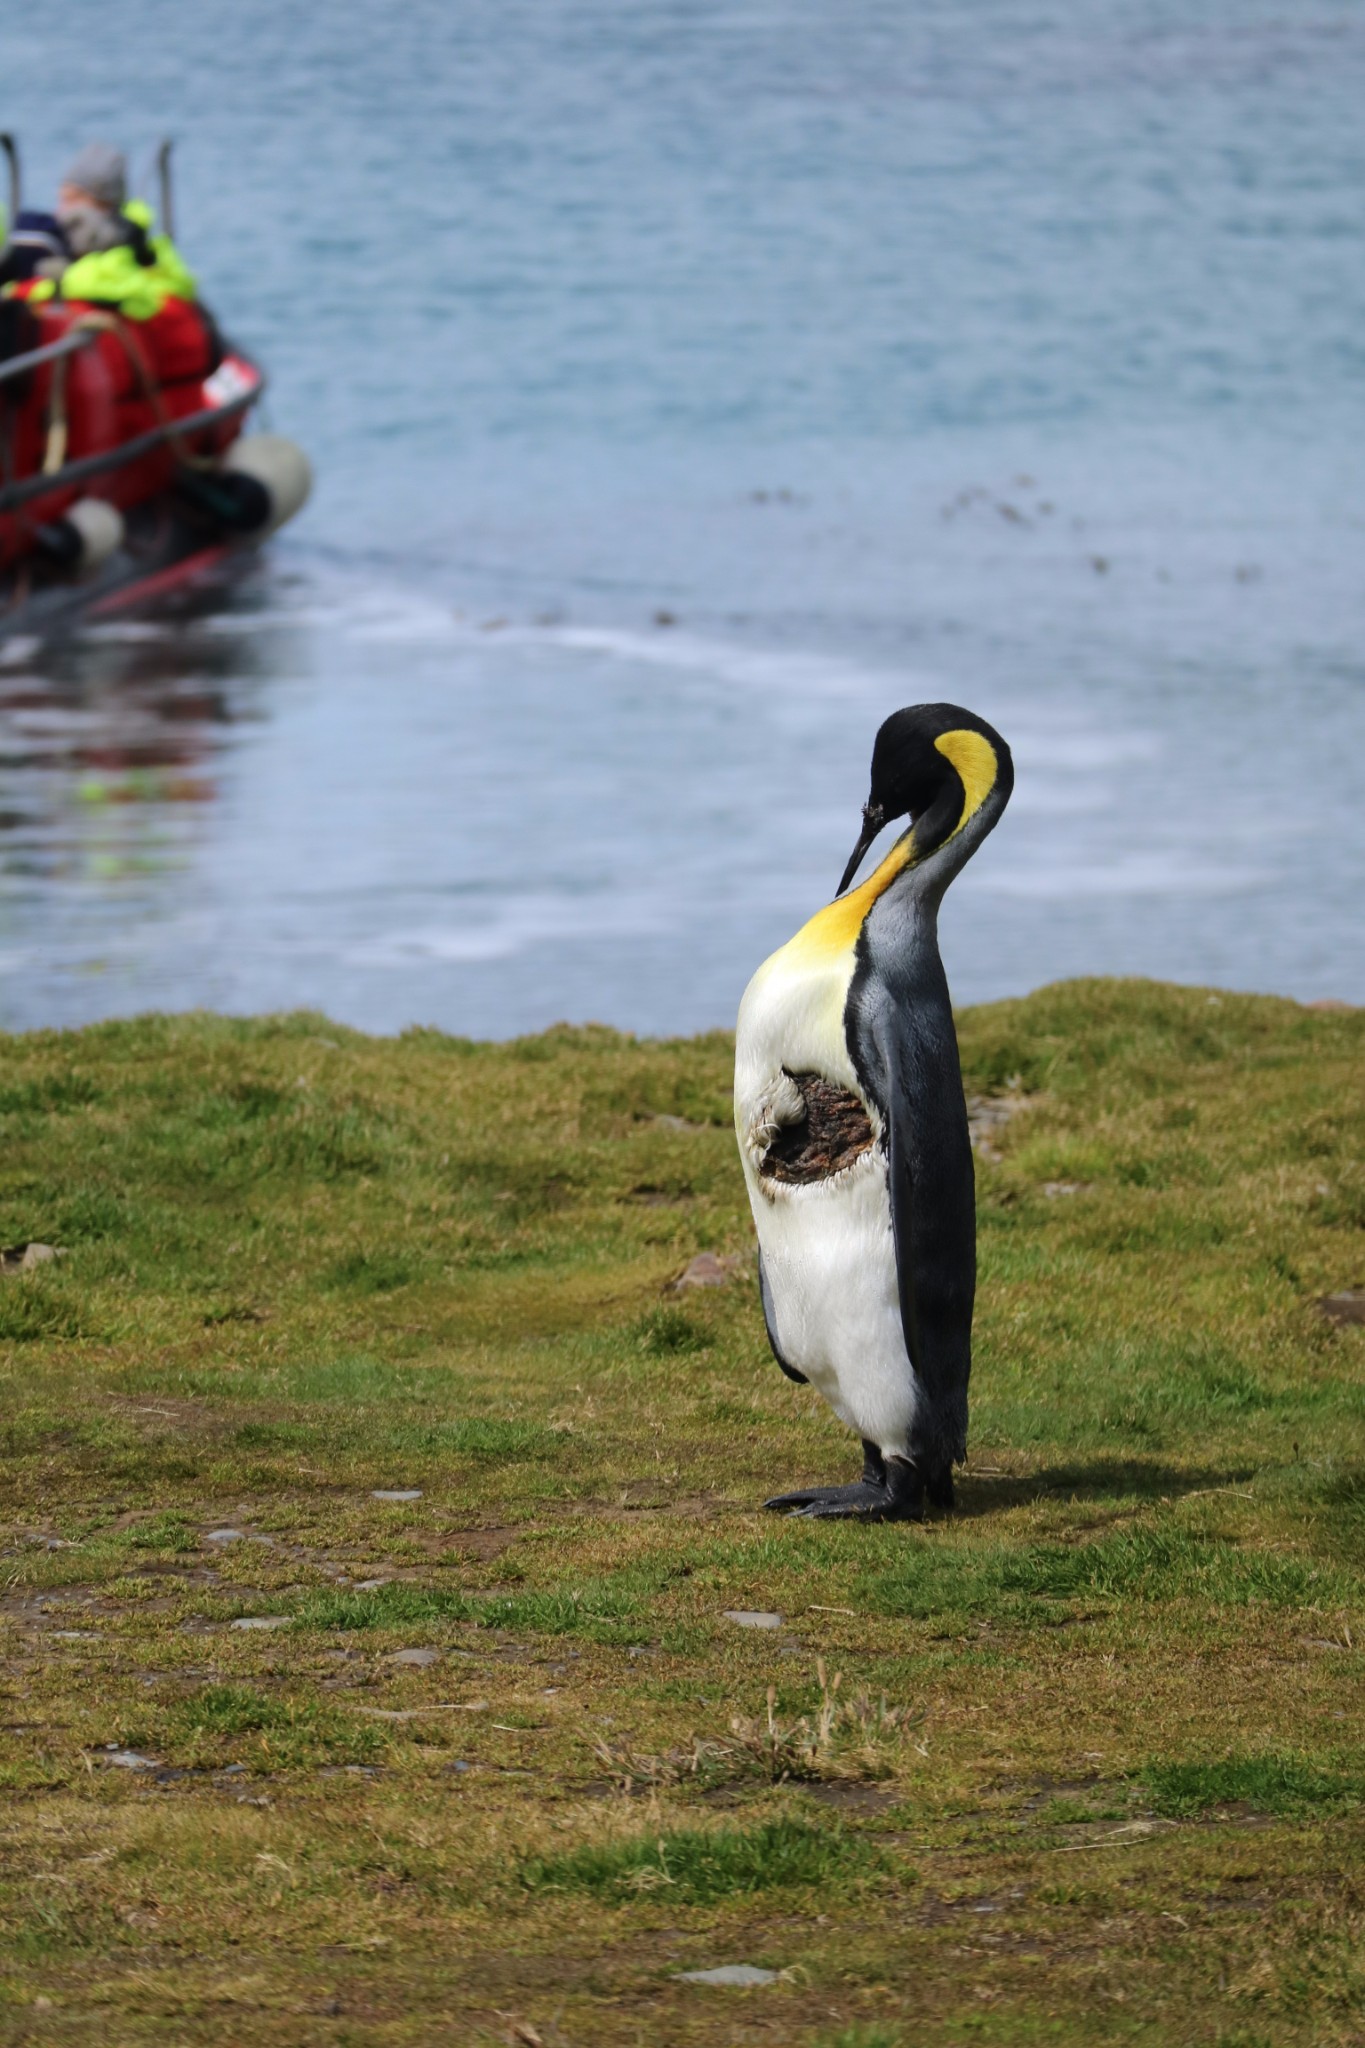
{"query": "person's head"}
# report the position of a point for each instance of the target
(91, 198)
(98, 177)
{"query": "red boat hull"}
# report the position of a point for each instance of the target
(135, 377)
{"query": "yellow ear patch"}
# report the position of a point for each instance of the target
(974, 759)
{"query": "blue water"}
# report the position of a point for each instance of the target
(688, 386)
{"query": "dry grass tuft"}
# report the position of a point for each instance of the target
(857, 1738)
(853, 1738)
(701, 1762)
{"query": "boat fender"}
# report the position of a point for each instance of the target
(82, 540)
(279, 467)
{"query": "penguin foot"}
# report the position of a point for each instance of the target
(889, 1491)
(859, 1503)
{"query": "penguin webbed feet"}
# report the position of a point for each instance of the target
(890, 1490)
(858, 1503)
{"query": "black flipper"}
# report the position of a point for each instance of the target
(935, 1263)
(765, 1295)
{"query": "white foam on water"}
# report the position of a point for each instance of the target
(1078, 742)
(1044, 753)
(382, 613)
(436, 947)
(393, 616)
(520, 923)
(727, 661)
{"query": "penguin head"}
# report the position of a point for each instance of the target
(945, 770)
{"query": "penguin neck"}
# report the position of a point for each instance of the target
(837, 926)
(927, 880)
(902, 889)
(898, 933)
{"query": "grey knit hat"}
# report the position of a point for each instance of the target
(102, 172)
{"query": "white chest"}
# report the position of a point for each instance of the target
(828, 1250)
(791, 1021)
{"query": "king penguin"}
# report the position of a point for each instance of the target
(852, 1129)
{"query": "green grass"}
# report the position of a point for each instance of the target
(206, 1731)
(1273, 1783)
(167, 1533)
(1110, 1714)
(860, 2037)
(596, 1609)
(688, 1868)
(1026, 1584)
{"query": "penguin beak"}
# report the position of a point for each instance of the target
(874, 817)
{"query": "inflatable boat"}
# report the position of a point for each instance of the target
(126, 464)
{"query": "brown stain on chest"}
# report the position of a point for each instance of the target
(834, 1132)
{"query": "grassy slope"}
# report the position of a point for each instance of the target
(1123, 1800)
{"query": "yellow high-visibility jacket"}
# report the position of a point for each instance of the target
(114, 277)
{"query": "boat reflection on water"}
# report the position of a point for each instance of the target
(111, 740)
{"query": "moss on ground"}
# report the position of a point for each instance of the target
(287, 1761)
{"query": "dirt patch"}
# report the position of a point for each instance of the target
(1043, 1790)
(472, 1543)
(164, 1415)
(641, 1494)
(500, 1974)
(691, 1507)
(852, 1798)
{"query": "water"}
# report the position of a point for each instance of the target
(688, 387)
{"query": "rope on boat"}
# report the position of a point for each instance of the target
(174, 431)
(115, 324)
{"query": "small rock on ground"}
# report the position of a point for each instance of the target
(987, 1114)
(223, 1536)
(261, 1621)
(22, 1258)
(729, 1973)
(752, 1617)
(709, 1269)
(1346, 1307)
(397, 1493)
(421, 1658)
